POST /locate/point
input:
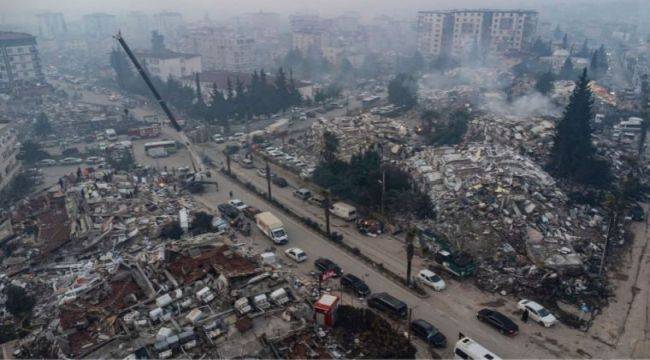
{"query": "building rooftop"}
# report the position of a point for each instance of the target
(10, 35)
(167, 54)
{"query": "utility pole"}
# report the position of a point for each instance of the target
(410, 250)
(268, 179)
(408, 324)
(327, 212)
(228, 162)
(383, 189)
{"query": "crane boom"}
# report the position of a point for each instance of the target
(197, 164)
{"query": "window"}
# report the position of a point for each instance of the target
(462, 354)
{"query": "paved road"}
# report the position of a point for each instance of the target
(451, 311)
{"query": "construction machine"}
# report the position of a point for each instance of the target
(200, 174)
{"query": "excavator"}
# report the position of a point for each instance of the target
(200, 174)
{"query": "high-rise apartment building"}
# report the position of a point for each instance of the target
(220, 48)
(20, 64)
(51, 25)
(459, 32)
(8, 151)
(100, 25)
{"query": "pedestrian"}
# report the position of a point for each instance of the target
(524, 316)
(230, 193)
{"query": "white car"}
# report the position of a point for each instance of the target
(296, 254)
(70, 161)
(238, 204)
(46, 162)
(537, 312)
(430, 278)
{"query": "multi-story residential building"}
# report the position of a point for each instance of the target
(99, 25)
(51, 25)
(8, 150)
(136, 28)
(166, 63)
(20, 64)
(459, 32)
(220, 48)
(169, 24)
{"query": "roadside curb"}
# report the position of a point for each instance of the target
(315, 227)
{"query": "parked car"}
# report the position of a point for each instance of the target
(246, 163)
(250, 212)
(317, 201)
(323, 264)
(355, 284)
(388, 304)
(296, 254)
(427, 332)
(498, 321)
(280, 181)
(219, 224)
(46, 162)
(302, 193)
(537, 312)
(238, 204)
(228, 211)
(431, 279)
(70, 161)
(637, 213)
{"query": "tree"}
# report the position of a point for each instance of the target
(451, 131)
(171, 230)
(18, 302)
(42, 125)
(201, 223)
(573, 156)
(281, 90)
(544, 83)
(330, 147)
(541, 48)
(584, 50)
(567, 72)
(565, 42)
(402, 91)
(122, 68)
(599, 64)
(31, 152)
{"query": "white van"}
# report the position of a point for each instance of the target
(467, 348)
(344, 211)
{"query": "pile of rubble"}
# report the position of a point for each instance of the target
(489, 197)
(358, 133)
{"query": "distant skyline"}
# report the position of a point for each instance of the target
(226, 8)
(19, 15)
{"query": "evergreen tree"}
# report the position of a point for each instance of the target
(567, 72)
(557, 33)
(541, 48)
(122, 68)
(281, 90)
(42, 125)
(573, 155)
(584, 50)
(330, 147)
(294, 95)
(544, 83)
(599, 63)
(240, 101)
(565, 41)
(402, 91)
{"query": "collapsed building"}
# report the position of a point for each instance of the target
(491, 201)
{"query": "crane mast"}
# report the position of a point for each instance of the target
(197, 164)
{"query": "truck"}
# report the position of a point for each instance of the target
(344, 211)
(272, 227)
(459, 264)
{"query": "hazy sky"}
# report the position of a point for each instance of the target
(225, 8)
